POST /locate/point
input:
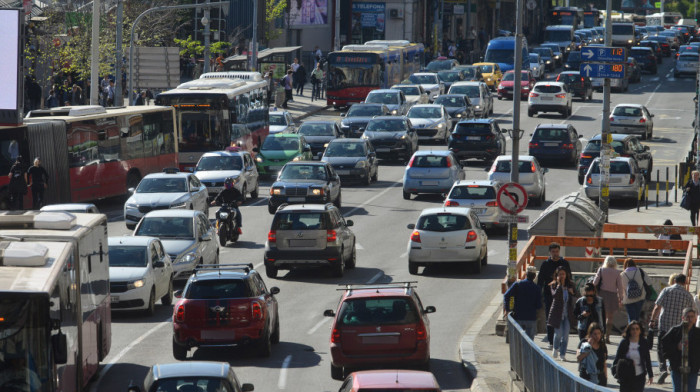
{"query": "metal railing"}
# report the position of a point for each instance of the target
(538, 371)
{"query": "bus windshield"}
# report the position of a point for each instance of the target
(558, 35)
(198, 128)
(354, 75)
(505, 56)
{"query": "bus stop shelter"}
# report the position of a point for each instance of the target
(276, 59)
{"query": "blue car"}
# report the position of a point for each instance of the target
(431, 172)
(555, 142)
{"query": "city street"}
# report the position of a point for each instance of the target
(301, 360)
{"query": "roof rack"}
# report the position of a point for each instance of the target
(247, 267)
(392, 285)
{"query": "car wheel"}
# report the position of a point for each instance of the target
(265, 345)
(375, 177)
(485, 259)
(244, 192)
(412, 268)
(223, 235)
(151, 309)
(406, 195)
(337, 372)
(352, 260)
(542, 197)
(167, 299)
(339, 268)
(271, 271)
(256, 192)
(271, 209)
(276, 335)
(475, 266)
(339, 200)
(530, 113)
(179, 352)
(651, 133)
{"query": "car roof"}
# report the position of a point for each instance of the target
(374, 291)
(552, 126)
(478, 121)
(223, 153)
(68, 206)
(319, 122)
(451, 210)
(450, 95)
(403, 118)
(306, 207)
(289, 135)
(220, 274)
(424, 73)
(477, 182)
(404, 85)
(167, 175)
(426, 105)
(383, 90)
(129, 240)
(395, 379)
(172, 213)
(570, 73)
(615, 136)
(630, 105)
(190, 369)
(618, 158)
(466, 83)
(307, 163)
(641, 48)
(442, 153)
(547, 83)
(347, 140)
(520, 158)
(368, 104)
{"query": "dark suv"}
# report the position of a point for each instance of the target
(313, 235)
(477, 138)
(305, 182)
(579, 85)
(624, 145)
(646, 58)
(555, 142)
(392, 137)
(225, 305)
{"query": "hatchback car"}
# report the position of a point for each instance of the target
(479, 95)
(430, 83)
(686, 64)
(318, 134)
(431, 172)
(555, 142)
(379, 325)
(623, 145)
(279, 149)
(414, 93)
(187, 237)
(353, 160)
(305, 182)
(140, 273)
(472, 73)
(390, 380)
(633, 119)
(491, 73)
(447, 235)
(227, 305)
(480, 197)
(193, 376)
(392, 137)
(507, 86)
(531, 176)
(214, 168)
(355, 120)
(281, 121)
(458, 106)
(655, 47)
(537, 66)
(579, 85)
(481, 139)
(550, 97)
(167, 190)
(626, 179)
(310, 235)
(646, 58)
(395, 100)
(449, 77)
(431, 122)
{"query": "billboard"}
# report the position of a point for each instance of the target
(308, 12)
(11, 99)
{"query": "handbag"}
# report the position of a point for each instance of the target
(685, 201)
(651, 294)
(624, 370)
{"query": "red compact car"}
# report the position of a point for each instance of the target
(505, 88)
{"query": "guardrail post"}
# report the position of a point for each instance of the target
(657, 187)
(675, 189)
(666, 185)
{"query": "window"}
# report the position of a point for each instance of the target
(379, 311)
(127, 256)
(430, 161)
(443, 222)
(473, 192)
(219, 288)
(300, 221)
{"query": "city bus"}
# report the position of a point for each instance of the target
(665, 19)
(90, 152)
(591, 18)
(216, 111)
(572, 16)
(55, 322)
(356, 70)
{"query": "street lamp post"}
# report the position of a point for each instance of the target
(207, 36)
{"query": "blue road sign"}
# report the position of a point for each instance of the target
(603, 54)
(601, 70)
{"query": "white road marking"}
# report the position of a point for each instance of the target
(375, 277)
(652, 94)
(256, 266)
(282, 383)
(257, 202)
(572, 114)
(403, 255)
(318, 325)
(492, 252)
(359, 247)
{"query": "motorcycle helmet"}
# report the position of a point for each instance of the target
(229, 183)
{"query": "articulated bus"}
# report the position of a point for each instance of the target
(356, 70)
(55, 322)
(566, 16)
(665, 19)
(216, 111)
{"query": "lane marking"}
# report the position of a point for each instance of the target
(318, 325)
(260, 264)
(282, 383)
(375, 277)
(359, 247)
(257, 202)
(658, 86)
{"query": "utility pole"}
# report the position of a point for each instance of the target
(118, 93)
(606, 137)
(336, 38)
(95, 53)
(206, 20)
(697, 119)
(254, 54)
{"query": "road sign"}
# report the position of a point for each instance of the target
(531, 4)
(511, 198)
(513, 219)
(617, 55)
(600, 70)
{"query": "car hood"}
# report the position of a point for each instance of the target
(126, 274)
(278, 128)
(156, 199)
(424, 122)
(384, 135)
(431, 87)
(299, 183)
(178, 246)
(344, 161)
(453, 110)
(216, 175)
(277, 154)
(348, 121)
(318, 139)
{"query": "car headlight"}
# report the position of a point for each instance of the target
(135, 284)
(325, 145)
(549, 62)
(365, 137)
(477, 107)
(403, 137)
(297, 158)
(275, 191)
(179, 205)
(568, 49)
(489, 79)
(441, 125)
(187, 259)
(500, 87)
(394, 112)
(258, 159)
(360, 164)
(223, 215)
(459, 115)
(629, 41)
(556, 57)
(317, 191)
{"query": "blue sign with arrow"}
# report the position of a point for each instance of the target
(603, 54)
(602, 70)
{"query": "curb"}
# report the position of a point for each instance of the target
(311, 113)
(470, 364)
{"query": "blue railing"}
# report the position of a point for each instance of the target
(537, 370)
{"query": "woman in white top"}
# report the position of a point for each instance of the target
(635, 349)
(610, 288)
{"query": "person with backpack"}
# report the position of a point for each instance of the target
(609, 287)
(632, 363)
(634, 294)
(561, 314)
(667, 313)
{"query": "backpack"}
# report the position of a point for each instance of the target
(633, 289)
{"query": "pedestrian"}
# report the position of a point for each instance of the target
(110, 94)
(18, 184)
(665, 236)
(316, 80)
(38, 181)
(318, 54)
(451, 50)
(561, 314)
(545, 277)
(637, 360)
(609, 286)
(589, 309)
(287, 83)
(592, 356)
(526, 298)
(300, 79)
(634, 294)
(672, 343)
(270, 84)
(104, 86)
(33, 94)
(668, 312)
(140, 99)
(294, 67)
(76, 95)
(692, 190)
(52, 100)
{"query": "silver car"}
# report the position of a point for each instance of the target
(215, 167)
(431, 172)
(626, 179)
(686, 64)
(631, 118)
(430, 83)
(479, 95)
(480, 197)
(531, 176)
(281, 121)
(431, 122)
(395, 100)
(415, 95)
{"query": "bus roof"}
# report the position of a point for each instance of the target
(66, 225)
(32, 279)
(225, 83)
(86, 112)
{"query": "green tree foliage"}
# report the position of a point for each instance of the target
(274, 9)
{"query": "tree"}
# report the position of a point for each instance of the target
(274, 9)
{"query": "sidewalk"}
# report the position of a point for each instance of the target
(302, 107)
(486, 356)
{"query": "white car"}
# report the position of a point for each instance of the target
(537, 66)
(687, 63)
(415, 95)
(480, 197)
(140, 273)
(632, 118)
(550, 97)
(431, 122)
(447, 235)
(281, 121)
(214, 168)
(479, 95)
(167, 190)
(430, 83)
(626, 179)
(531, 176)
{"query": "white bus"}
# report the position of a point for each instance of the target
(665, 19)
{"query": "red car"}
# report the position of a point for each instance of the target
(390, 380)
(225, 305)
(505, 88)
(377, 325)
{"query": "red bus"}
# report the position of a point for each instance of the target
(216, 111)
(90, 152)
(55, 322)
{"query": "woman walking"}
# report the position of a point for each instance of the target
(610, 288)
(18, 184)
(592, 356)
(692, 189)
(634, 293)
(635, 351)
(561, 313)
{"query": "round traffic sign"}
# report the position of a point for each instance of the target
(511, 198)
(531, 4)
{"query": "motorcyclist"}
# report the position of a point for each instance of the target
(231, 196)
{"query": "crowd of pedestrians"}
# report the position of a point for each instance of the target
(22, 179)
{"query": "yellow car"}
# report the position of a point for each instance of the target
(491, 73)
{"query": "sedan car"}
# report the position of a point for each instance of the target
(358, 115)
(550, 97)
(167, 190)
(633, 119)
(548, 57)
(645, 57)
(556, 142)
(431, 122)
(478, 94)
(626, 179)
(395, 100)
(579, 85)
(686, 64)
(140, 273)
(415, 94)
(558, 56)
(305, 182)
(430, 83)
(193, 376)
(537, 66)
(477, 138)
(458, 106)
(531, 176)
(214, 168)
(447, 235)
(441, 65)
(279, 149)
(187, 237)
(431, 172)
(491, 73)
(281, 121)
(655, 47)
(318, 134)
(449, 77)
(353, 160)
(392, 137)
(480, 197)
(506, 87)
(622, 145)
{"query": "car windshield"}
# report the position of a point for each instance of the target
(486, 68)
(627, 111)
(451, 102)
(166, 227)
(220, 163)
(616, 167)
(621, 29)
(474, 192)
(345, 149)
(511, 76)
(316, 129)
(523, 167)
(551, 134)
(547, 53)
(364, 111)
(448, 76)
(377, 311)
(469, 72)
(278, 119)
(574, 57)
(688, 57)
(408, 90)
(386, 126)
(439, 65)
(473, 129)
(568, 77)
(430, 161)
(385, 98)
(299, 221)
(500, 56)
(424, 112)
(162, 185)
(558, 35)
(594, 146)
(469, 91)
(554, 47)
(218, 288)
(127, 256)
(423, 79)
(534, 58)
(303, 172)
(280, 143)
(641, 52)
(189, 384)
(443, 222)
(548, 88)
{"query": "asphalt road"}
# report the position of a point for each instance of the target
(301, 360)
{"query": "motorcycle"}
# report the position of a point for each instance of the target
(226, 224)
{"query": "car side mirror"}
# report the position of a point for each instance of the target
(652, 115)
(205, 237)
(483, 226)
(411, 226)
(247, 387)
(342, 114)
(430, 309)
(177, 293)
(255, 149)
(274, 290)
(158, 264)
(328, 313)
(580, 136)
(59, 345)
(132, 190)
(349, 223)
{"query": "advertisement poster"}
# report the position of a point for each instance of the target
(368, 15)
(309, 12)
(9, 31)
(278, 69)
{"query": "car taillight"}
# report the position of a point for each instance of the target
(471, 236)
(331, 236)
(421, 332)
(272, 236)
(335, 336)
(449, 163)
(489, 137)
(410, 163)
(569, 146)
(180, 314)
(582, 80)
(415, 236)
(632, 179)
(586, 156)
(589, 181)
(534, 95)
(560, 95)
(491, 204)
(612, 118)
(532, 167)
(448, 203)
(642, 120)
(257, 311)
(533, 145)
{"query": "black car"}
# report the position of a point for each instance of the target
(624, 145)
(353, 160)
(477, 138)
(547, 55)
(318, 134)
(579, 85)
(556, 142)
(449, 77)
(441, 65)
(664, 42)
(355, 120)
(655, 46)
(458, 106)
(573, 61)
(305, 182)
(646, 58)
(392, 137)
(632, 70)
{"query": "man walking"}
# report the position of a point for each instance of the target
(287, 82)
(668, 312)
(546, 276)
(692, 189)
(38, 181)
(316, 80)
(526, 299)
(673, 347)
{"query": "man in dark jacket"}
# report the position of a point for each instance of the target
(589, 309)
(524, 299)
(546, 276)
(38, 181)
(231, 196)
(692, 189)
(672, 344)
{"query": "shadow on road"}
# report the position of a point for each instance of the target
(303, 356)
(120, 377)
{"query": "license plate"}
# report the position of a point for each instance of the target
(474, 138)
(218, 335)
(115, 299)
(302, 243)
(479, 211)
(380, 340)
(551, 144)
(383, 149)
(428, 182)
(343, 172)
(615, 180)
(546, 98)
(275, 168)
(296, 199)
